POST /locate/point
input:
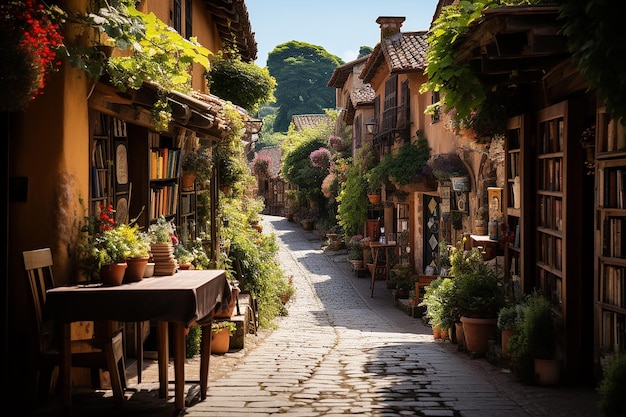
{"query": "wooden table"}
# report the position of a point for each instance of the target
(181, 299)
(387, 248)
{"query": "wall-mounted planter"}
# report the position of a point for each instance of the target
(460, 183)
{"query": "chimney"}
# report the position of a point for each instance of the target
(389, 25)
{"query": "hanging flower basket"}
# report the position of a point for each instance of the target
(29, 39)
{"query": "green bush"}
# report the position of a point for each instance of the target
(536, 336)
(611, 389)
(192, 341)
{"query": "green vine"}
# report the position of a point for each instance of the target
(462, 92)
(460, 86)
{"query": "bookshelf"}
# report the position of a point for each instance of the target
(155, 173)
(610, 288)
(514, 195)
(109, 181)
(549, 205)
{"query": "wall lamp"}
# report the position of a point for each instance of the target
(371, 127)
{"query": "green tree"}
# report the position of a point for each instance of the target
(365, 51)
(301, 71)
(243, 83)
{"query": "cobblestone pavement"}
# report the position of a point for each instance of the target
(340, 352)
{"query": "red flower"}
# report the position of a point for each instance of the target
(30, 37)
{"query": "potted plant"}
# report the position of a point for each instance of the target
(355, 254)
(110, 251)
(103, 249)
(183, 256)
(440, 302)
(534, 345)
(480, 296)
(138, 244)
(221, 331)
(162, 238)
(507, 319)
(611, 389)
(195, 166)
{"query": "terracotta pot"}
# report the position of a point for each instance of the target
(188, 180)
(135, 270)
(113, 274)
(460, 336)
(506, 336)
(477, 332)
(437, 332)
(547, 371)
(374, 198)
(220, 341)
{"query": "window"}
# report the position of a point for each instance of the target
(188, 19)
(176, 17)
(436, 116)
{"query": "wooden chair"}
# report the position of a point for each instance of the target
(91, 353)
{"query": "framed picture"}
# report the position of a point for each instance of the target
(121, 165)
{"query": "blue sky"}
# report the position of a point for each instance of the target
(339, 26)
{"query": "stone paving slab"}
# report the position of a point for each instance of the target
(341, 352)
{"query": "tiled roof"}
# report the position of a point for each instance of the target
(403, 52)
(341, 73)
(232, 21)
(303, 121)
(363, 95)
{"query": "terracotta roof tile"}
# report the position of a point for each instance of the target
(403, 52)
(406, 51)
(363, 95)
(341, 73)
(303, 121)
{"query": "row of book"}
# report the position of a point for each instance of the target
(614, 181)
(119, 128)
(613, 331)
(100, 155)
(551, 251)
(552, 136)
(551, 212)
(99, 183)
(163, 200)
(551, 174)
(164, 163)
(614, 237)
(514, 164)
(613, 288)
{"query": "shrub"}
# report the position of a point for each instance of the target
(611, 389)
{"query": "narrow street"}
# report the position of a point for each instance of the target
(340, 352)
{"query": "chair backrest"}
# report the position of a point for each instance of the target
(38, 265)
